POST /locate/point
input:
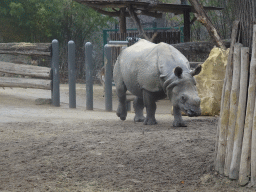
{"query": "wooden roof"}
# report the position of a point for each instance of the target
(149, 7)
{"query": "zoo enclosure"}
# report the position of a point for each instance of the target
(30, 76)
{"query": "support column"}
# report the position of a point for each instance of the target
(55, 74)
(108, 79)
(186, 29)
(89, 76)
(72, 74)
(122, 21)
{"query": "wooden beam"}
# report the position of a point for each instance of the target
(186, 29)
(27, 70)
(108, 13)
(25, 83)
(202, 17)
(122, 21)
(137, 22)
(126, 14)
(151, 14)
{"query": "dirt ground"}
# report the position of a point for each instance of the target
(46, 148)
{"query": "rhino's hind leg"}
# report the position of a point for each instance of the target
(150, 105)
(138, 106)
(121, 109)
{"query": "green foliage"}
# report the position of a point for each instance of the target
(44, 20)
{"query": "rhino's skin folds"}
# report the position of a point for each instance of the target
(152, 72)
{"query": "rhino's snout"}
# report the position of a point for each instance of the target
(192, 108)
(193, 112)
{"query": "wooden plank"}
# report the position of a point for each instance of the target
(25, 83)
(27, 70)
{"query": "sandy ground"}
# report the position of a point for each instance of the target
(47, 148)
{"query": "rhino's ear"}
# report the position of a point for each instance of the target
(178, 72)
(196, 71)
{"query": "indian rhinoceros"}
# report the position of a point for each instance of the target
(152, 72)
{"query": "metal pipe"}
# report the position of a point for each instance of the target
(89, 76)
(71, 74)
(55, 74)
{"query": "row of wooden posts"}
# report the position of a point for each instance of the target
(48, 77)
(236, 135)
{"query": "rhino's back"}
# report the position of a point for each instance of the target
(142, 64)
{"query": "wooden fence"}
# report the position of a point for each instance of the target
(36, 76)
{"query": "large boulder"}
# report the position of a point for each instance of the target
(210, 81)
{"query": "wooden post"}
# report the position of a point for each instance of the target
(225, 104)
(253, 147)
(239, 128)
(186, 29)
(122, 21)
(246, 147)
(234, 96)
(137, 22)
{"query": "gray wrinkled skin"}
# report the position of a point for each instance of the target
(152, 72)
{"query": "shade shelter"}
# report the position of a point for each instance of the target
(133, 8)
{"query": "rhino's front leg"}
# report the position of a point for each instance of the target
(150, 105)
(178, 121)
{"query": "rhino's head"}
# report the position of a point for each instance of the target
(182, 92)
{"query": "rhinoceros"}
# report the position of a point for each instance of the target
(153, 72)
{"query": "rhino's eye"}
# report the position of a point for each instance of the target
(183, 99)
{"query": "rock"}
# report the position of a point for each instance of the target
(42, 101)
(210, 81)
